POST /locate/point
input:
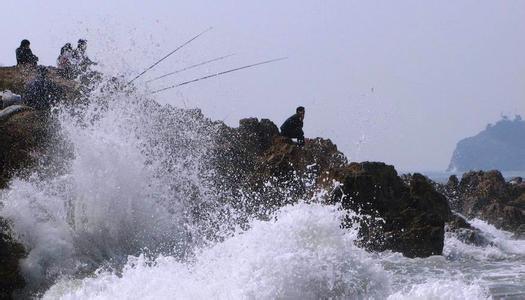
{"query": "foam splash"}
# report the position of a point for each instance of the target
(124, 189)
(502, 245)
(301, 254)
(442, 290)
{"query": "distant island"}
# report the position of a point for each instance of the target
(500, 146)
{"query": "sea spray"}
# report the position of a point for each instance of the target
(132, 179)
(301, 253)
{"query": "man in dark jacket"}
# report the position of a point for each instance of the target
(293, 126)
(41, 92)
(24, 55)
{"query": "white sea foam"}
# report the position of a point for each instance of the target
(124, 189)
(442, 290)
(501, 244)
(301, 254)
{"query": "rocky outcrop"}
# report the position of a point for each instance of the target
(257, 171)
(500, 146)
(405, 218)
(25, 136)
(487, 196)
(22, 137)
(408, 218)
(462, 230)
(10, 254)
(15, 80)
(26, 133)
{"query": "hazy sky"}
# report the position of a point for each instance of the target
(395, 81)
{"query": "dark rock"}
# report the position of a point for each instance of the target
(10, 254)
(520, 232)
(15, 79)
(486, 195)
(272, 171)
(465, 232)
(22, 137)
(501, 146)
(407, 219)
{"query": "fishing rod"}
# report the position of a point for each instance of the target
(151, 67)
(190, 67)
(218, 74)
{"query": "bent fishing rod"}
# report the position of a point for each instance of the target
(218, 74)
(156, 63)
(190, 67)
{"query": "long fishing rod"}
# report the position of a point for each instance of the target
(218, 74)
(190, 67)
(151, 67)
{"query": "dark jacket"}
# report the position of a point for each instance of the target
(293, 127)
(40, 93)
(24, 56)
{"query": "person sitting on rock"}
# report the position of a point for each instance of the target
(65, 61)
(24, 55)
(41, 92)
(293, 126)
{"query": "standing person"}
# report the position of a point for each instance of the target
(24, 55)
(81, 59)
(65, 60)
(293, 126)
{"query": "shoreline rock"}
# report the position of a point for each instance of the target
(487, 196)
(258, 171)
(394, 216)
(11, 252)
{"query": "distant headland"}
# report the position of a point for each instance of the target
(500, 146)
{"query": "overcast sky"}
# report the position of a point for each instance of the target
(394, 81)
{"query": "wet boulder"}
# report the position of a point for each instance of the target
(487, 196)
(11, 252)
(269, 171)
(406, 218)
(463, 231)
(22, 136)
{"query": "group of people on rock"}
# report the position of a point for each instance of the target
(71, 62)
(41, 92)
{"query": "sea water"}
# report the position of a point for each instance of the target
(116, 222)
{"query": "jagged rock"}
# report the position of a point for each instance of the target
(15, 79)
(10, 254)
(465, 232)
(520, 232)
(22, 137)
(396, 216)
(408, 219)
(316, 157)
(487, 196)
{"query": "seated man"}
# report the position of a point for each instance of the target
(293, 126)
(24, 55)
(41, 92)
